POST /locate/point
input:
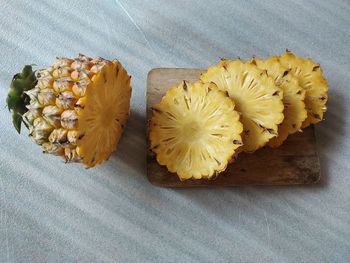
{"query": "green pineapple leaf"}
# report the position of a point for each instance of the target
(17, 120)
(17, 99)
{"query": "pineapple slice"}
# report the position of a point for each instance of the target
(293, 98)
(76, 108)
(256, 97)
(195, 131)
(106, 111)
(312, 81)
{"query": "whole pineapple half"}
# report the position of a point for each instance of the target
(293, 98)
(256, 97)
(311, 79)
(78, 108)
(195, 131)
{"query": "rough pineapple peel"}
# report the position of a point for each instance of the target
(76, 108)
(195, 130)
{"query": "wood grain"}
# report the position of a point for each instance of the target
(295, 162)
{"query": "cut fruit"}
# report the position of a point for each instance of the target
(310, 77)
(293, 98)
(77, 108)
(256, 97)
(195, 131)
(106, 111)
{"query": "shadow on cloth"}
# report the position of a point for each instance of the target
(131, 150)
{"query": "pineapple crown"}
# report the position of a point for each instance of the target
(17, 99)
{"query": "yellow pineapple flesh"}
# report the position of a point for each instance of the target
(256, 97)
(195, 131)
(78, 108)
(311, 79)
(293, 98)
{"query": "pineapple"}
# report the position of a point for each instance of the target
(76, 108)
(195, 131)
(312, 81)
(293, 98)
(256, 97)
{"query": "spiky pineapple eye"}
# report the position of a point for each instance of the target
(46, 96)
(79, 87)
(58, 136)
(65, 100)
(45, 79)
(195, 130)
(62, 84)
(72, 136)
(62, 72)
(52, 114)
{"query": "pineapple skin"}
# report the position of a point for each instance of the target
(311, 79)
(293, 98)
(195, 131)
(56, 114)
(256, 97)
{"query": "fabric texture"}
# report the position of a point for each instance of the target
(55, 212)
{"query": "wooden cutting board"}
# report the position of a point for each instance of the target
(294, 163)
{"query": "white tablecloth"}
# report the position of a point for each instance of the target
(55, 212)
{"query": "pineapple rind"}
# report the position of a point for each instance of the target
(293, 98)
(311, 79)
(63, 108)
(256, 97)
(195, 131)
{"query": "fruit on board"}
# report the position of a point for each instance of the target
(256, 97)
(195, 130)
(293, 98)
(274, 98)
(311, 79)
(77, 108)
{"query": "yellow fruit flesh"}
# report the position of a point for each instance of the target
(195, 131)
(256, 97)
(106, 110)
(293, 99)
(310, 77)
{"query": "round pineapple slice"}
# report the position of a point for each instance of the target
(256, 97)
(195, 131)
(105, 113)
(78, 107)
(312, 81)
(293, 98)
